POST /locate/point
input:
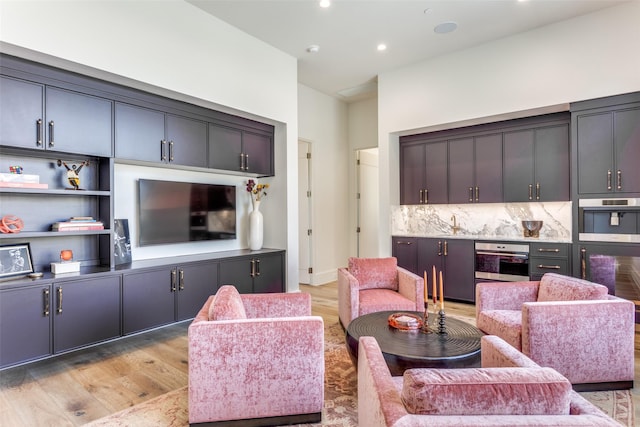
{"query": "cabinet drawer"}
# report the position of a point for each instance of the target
(540, 266)
(549, 250)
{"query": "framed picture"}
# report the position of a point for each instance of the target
(122, 242)
(15, 260)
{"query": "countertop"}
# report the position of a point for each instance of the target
(541, 239)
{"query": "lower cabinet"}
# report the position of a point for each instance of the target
(405, 249)
(455, 258)
(254, 274)
(25, 324)
(85, 312)
(548, 258)
(158, 297)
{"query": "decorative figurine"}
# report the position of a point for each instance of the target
(72, 173)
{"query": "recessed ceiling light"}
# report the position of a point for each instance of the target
(325, 3)
(382, 47)
(445, 27)
(314, 48)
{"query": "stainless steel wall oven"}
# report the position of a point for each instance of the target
(502, 262)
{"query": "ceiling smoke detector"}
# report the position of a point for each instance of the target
(314, 48)
(445, 27)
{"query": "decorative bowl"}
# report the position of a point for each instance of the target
(532, 228)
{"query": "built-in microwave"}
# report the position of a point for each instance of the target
(502, 262)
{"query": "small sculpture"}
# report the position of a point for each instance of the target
(72, 173)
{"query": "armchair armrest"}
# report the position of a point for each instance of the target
(411, 286)
(348, 296)
(586, 341)
(277, 305)
(505, 295)
(252, 366)
(497, 353)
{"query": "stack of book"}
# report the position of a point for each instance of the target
(20, 180)
(78, 223)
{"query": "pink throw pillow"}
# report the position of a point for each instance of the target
(227, 305)
(556, 287)
(491, 391)
(375, 273)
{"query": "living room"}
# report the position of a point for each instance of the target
(189, 65)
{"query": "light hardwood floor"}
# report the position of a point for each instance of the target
(79, 387)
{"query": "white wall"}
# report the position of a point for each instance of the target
(171, 48)
(323, 122)
(542, 70)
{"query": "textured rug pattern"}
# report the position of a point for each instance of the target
(340, 405)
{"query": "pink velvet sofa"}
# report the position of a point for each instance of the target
(569, 324)
(509, 390)
(370, 285)
(256, 360)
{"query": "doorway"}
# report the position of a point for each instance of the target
(367, 200)
(304, 213)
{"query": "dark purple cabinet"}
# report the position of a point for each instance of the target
(423, 173)
(475, 169)
(536, 164)
(455, 258)
(262, 273)
(154, 136)
(25, 324)
(36, 116)
(158, 297)
(405, 249)
(85, 312)
(237, 149)
(608, 146)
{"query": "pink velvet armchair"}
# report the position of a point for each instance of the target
(370, 285)
(509, 390)
(256, 359)
(569, 324)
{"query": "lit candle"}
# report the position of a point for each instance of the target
(434, 294)
(441, 293)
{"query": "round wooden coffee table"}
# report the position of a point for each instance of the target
(458, 348)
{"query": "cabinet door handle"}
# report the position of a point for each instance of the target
(171, 151)
(609, 179)
(402, 242)
(439, 248)
(253, 268)
(477, 194)
(421, 196)
(530, 192)
(555, 250)
(39, 132)
(583, 263)
(471, 194)
(549, 267)
(537, 191)
(619, 179)
(446, 248)
(173, 280)
(426, 196)
(163, 150)
(246, 162)
(181, 279)
(45, 294)
(59, 309)
(51, 138)
(257, 267)
(241, 161)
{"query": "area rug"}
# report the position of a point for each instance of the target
(340, 405)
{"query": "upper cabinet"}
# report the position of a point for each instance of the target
(423, 176)
(38, 116)
(154, 136)
(607, 139)
(242, 150)
(536, 164)
(524, 160)
(475, 169)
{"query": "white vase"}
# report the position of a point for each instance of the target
(255, 227)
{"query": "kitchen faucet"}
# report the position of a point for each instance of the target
(455, 227)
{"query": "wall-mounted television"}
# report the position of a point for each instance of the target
(178, 212)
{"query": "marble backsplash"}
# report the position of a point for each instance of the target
(483, 220)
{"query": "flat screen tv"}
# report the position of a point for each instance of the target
(178, 212)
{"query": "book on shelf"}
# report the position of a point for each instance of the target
(75, 223)
(5, 184)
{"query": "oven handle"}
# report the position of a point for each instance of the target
(503, 253)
